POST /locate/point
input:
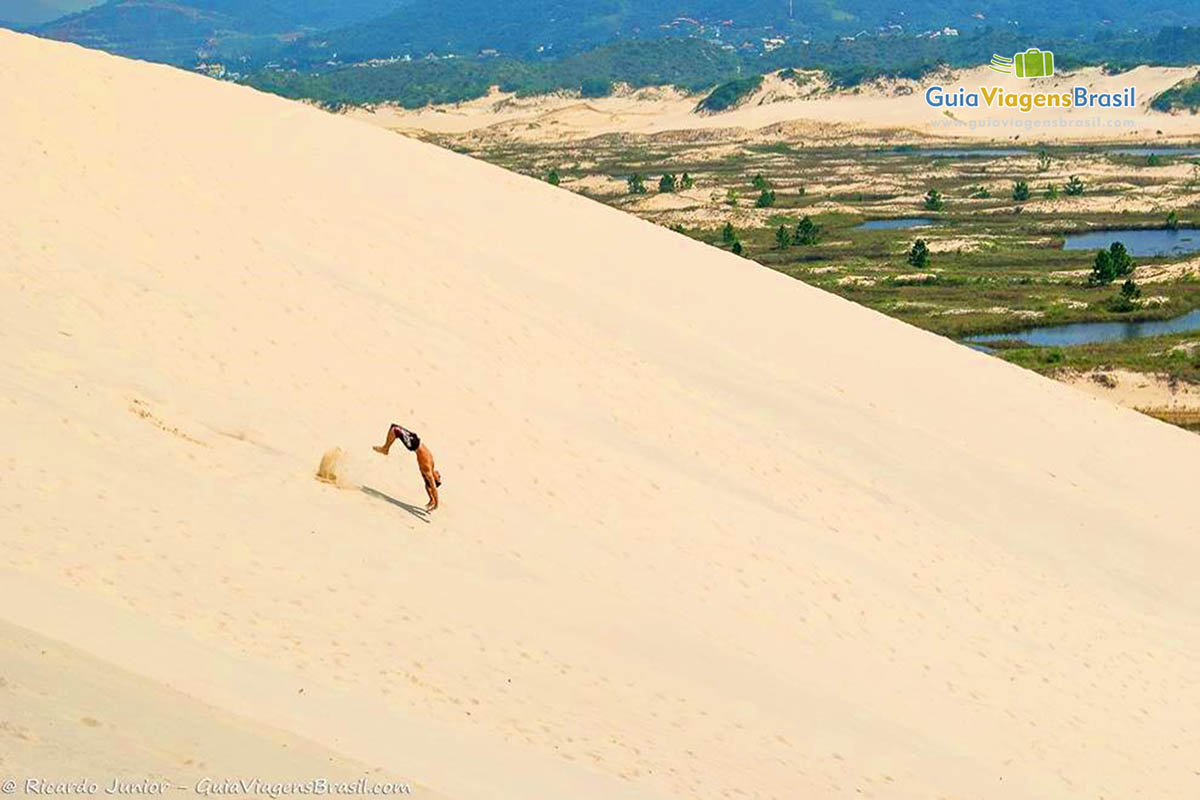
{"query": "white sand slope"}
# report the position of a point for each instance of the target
(707, 532)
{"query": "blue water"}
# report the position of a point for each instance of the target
(1154, 151)
(894, 224)
(1092, 332)
(1152, 242)
(955, 152)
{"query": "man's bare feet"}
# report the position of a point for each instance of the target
(431, 507)
(379, 449)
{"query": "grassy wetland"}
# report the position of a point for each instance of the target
(997, 222)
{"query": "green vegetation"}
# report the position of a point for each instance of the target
(807, 232)
(783, 237)
(666, 183)
(1020, 191)
(918, 256)
(1172, 223)
(1111, 264)
(1074, 187)
(766, 199)
(636, 183)
(1183, 96)
(552, 177)
(729, 94)
(934, 201)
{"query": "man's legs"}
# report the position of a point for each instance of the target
(391, 437)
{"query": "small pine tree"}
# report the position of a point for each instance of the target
(766, 199)
(1121, 260)
(686, 182)
(807, 232)
(737, 248)
(637, 184)
(1172, 221)
(552, 177)
(728, 234)
(666, 183)
(760, 183)
(1074, 187)
(1102, 270)
(918, 256)
(1125, 301)
(1051, 192)
(934, 201)
(1020, 191)
(783, 237)
(1111, 264)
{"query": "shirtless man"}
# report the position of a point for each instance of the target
(412, 442)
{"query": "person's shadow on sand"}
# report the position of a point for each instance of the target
(416, 511)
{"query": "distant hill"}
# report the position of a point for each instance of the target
(22, 13)
(540, 27)
(189, 31)
(318, 33)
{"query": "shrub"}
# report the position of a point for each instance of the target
(1043, 160)
(1020, 191)
(1173, 221)
(637, 184)
(729, 94)
(1111, 264)
(595, 87)
(1074, 187)
(686, 182)
(760, 183)
(728, 234)
(783, 237)
(807, 232)
(1124, 301)
(552, 177)
(918, 256)
(666, 183)
(1051, 192)
(737, 248)
(934, 201)
(766, 199)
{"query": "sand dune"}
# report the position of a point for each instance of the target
(815, 113)
(706, 531)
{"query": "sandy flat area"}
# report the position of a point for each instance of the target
(846, 116)
(706, 531)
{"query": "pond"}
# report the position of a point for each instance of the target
(1154, 151)
(956, 152)
(1139, 242)
(894, 224)
(1092, 332)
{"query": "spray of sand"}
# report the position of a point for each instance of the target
(337, 468)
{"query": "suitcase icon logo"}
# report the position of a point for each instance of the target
(1033, 63)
